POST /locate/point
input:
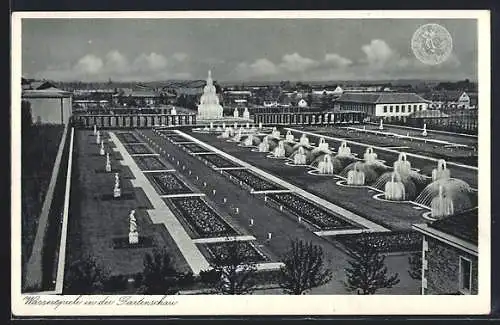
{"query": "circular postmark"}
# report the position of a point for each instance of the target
(431, 44)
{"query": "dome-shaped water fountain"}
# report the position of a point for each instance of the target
(322, 144)
(456, 190)
(441, 205)
(289, 136)
(441, 172)
(356, 176)
(227, 133)
(264, 145)
(299, 157)
(344, 150)
(279, 151)
(248, 142)
(324, 163)
(394, 189)
(276, 133)
(237, 137)
(304, 140)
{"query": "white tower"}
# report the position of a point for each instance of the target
(209, 107)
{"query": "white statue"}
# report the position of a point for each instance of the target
(108, 163)
(95, 129)
(173, 111)
(236, 114)
(117, 192)
(98, 138)
(246, 113)
(133, 235)
(101, 151)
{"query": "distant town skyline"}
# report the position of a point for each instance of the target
(239, 49)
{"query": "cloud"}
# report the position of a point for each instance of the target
(152, 61)
(260, 67)
(336, 61)
(378, 53)
(296, 63)
(181, 57)
(89, 64)
(117, 62)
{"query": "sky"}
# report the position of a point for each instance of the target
(239, 49)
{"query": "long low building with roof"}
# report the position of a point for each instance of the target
(382, 104)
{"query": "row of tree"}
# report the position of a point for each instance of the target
(304, 268)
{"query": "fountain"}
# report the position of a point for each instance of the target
(264, 145)
(237, 137)
(247, 125)
(441, 172)
(370, 157)
(218, 129)
(209, 107)
(441, 205)
(424, 132)
(95, 129)
(323, 145)
(249, 141)
(381, 125)
(304, 140)
(275, 133)
(279, 151)
(133, 235)
(117, 192)
(98, 137)
(289, 136)
(394, 189)
(356, 176)
(344, 150)
(236, 114)
(173, 111)
(402, 166)
(101, 151)
(300, 157)
(325, 166)
(108, 163)
(246, 114)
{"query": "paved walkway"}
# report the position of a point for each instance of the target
(223, 239)
(381, 148)
(433, 131)
(162, 214)
(346, 213)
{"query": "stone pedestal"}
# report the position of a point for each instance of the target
(117, 192)
(133, 237)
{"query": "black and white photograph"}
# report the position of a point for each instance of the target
(187, 163)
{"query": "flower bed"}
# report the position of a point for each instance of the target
(202, 219)
(219, 161)
(195, 148)
(168, 183)
(138, 148)
(150, 163)
(219, 251)
(319, 217)
(176, 138)
(253, 181)
(385, 242)
(127, 137)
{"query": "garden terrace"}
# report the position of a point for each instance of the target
(384, 242)
(203, 221)
(97, 220)
(312, 213)
(128, 137)
(138, 148)
(168, 183)
(193, 147)
(218, 161)
(219, 251)
(147, 163)
(253, 181)
(391, 215)
(39, 146)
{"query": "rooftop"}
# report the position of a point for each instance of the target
(46, 93)
(381, 98)
(462, 225)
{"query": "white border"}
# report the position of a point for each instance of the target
(259, 304)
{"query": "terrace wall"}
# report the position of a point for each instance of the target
(131, 120)
(310, 118)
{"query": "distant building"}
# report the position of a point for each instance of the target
(302, 103)
(381, 104)
(236, 97)
(49, 105)
(139, 97)
(451, 99)
(449, 254)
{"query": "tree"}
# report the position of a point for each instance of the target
(415, 262)
(235, 272)
(86, 276)
(304, 268)
(367, 272)
(159, 275)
